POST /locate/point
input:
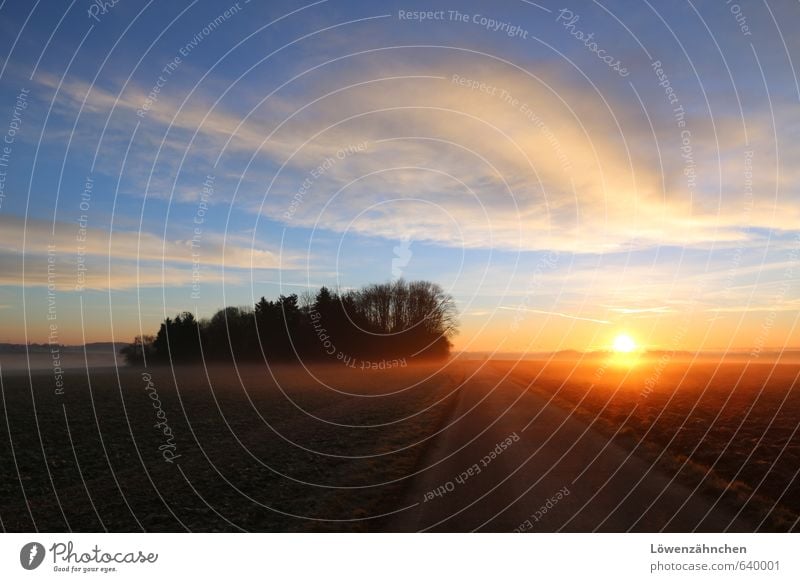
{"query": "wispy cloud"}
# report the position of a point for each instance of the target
(534, 165)
(119, 259)
(793, 305)
(98, 274)
(556, 314)
(636, 310)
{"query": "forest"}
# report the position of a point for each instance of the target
(397, 321)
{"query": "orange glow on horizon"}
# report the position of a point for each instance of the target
(623, 343)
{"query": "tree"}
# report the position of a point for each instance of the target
(140, 350)
(178, 340)
(231, 333)
(389, 320)
(411, 319)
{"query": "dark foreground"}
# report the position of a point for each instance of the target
(461, 446)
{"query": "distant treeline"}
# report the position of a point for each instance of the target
(33, 348)
(390, 321)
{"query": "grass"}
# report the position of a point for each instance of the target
(330, 448)
(728, 428)
(257, 452)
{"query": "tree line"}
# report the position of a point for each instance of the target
(388, 321)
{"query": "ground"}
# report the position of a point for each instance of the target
(579, 445)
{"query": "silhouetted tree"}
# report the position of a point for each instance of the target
(178, 340)
(411, 319)
(231, 333)
(389, 320)
(140, 350)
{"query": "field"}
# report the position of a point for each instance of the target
(726, 428)
(332, 448)
(256, 452)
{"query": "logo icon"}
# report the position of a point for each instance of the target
(31, 555)
(402, 256)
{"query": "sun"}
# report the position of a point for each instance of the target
(624, 344)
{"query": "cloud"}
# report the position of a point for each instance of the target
(791, 305)
(556, 314)
(463, 154)
(637, 310)
(119, 259)
(97, 275)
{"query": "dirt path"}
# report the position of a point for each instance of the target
(510, 462)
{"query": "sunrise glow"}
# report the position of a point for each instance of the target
(624, 344)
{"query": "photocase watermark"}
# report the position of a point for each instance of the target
(52, 319)
(161, 82)
(174, 64)
(100, 8)
(491, 24)
(568, 19)
(548, 262)
(13, 128)
(747, 210)
(376, 364)
(31, 555)
(676, 342)
(679, 115)
(789, 277)
(664, 82)
(318, 172)
(664, 359)
(322, 333)
(168, 447)
(67, 559)
(738, 15)
(199, 219)
(473, 471)
(402, 256)
(345, 359)
(526, 110)
(537, 515)
(81, 237)
(601, 370)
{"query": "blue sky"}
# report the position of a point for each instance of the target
(558, 200)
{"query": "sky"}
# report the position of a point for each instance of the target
(567, 172)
